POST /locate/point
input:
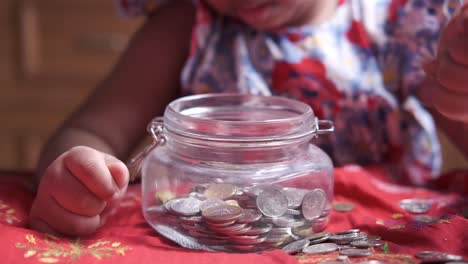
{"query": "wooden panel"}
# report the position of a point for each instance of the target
(71, 39)
(8, 152)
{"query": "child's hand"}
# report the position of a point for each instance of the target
(446, 85)
(76, 192)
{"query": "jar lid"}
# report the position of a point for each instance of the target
(242, 118)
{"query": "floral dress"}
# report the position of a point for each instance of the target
(361, 69)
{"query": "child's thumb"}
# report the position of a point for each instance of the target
(118, 171)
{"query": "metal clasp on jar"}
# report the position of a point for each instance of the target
(323, 127)
(156, 129)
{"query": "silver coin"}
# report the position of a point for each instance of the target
(373, 237)
(220, 224)
(294, 196)
(220, 190)
(278, 239)
(320, 235)
(293, 212)
(248, 240)
(348, 238)
(211, 202)
(416, 206)
(228, 229)
(222, 213)
(180, 238)
(350, 231)
(437, 256)
(424, 218)
(249, 216)
(186, 206)
(288, 221)
(191, 219)
(259, 229)
(280, 231)
(318, 240)
(303, 231)
(296, 246)
(320, 248)
(366, 243)
(355, 252)
(272, 203)
(313, 204)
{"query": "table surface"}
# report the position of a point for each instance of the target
(127, 238)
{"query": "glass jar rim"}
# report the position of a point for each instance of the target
(233, 117)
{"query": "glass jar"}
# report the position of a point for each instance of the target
(233, 172)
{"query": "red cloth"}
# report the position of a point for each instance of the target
(126, 238)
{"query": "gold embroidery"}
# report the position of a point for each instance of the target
(397, 216)
(7, 213)
(52, 249)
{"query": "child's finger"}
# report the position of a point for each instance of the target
(89, 167)
(39, 225)
(87, 204)
(451, 74)
(118, 170)
(449, 104)
(46, 209)
(458, 49)
(425, 92)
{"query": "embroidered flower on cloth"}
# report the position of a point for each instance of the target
(52, 249)
(7, 214)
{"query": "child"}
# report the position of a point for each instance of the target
(356, 62)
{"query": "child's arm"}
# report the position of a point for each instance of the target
(446, 85)
(76, 184)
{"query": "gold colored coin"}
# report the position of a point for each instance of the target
(343, 206)
(221, 191)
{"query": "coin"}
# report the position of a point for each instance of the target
(259, 229)
(272, 203)
(355, 252)
(249, 216)
(416, 206)
(343, 206)
(437, 256)
(424, 218)
(164, 196)
(222, 213)
(347, 238)
(185, 206)
(296, 246)
(366, 243)
(220, 190)
(211, 202)
(320, 248)
(288, 221)
(294, 196)
(346, 232)
(313, 204)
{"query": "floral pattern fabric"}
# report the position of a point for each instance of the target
(361, 69)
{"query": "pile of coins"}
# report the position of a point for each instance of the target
(350, 243)
(225, 217)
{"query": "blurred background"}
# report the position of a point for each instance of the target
(52, 53)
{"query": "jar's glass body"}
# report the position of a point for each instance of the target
(237, 173)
